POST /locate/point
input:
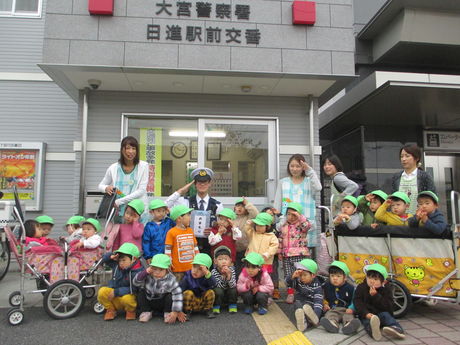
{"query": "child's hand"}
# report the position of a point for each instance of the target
(181, 317)
(349, 311)
(148, 261)
(172, 317)
(374, 225)
(388, 202)
(230, 222)
(419, 213)
(424, 217)
(111, 295)
(369, 197)
(135, 217)
(326, 307)
(296, 274)
(221, 230)
(114, 257)
(78, 245)
(245, 202)
(204, 269)
(254, 290)
(345, 217)
(369, 315)
(249, 222)
(372, 291)
(149, 270)
(275, 211)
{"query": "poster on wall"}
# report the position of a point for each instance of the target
(150, 151)
(21, 165)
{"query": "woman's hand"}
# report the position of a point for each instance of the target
(109, 189)
(304, 165)
(185, 188)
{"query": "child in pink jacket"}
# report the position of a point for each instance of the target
(293, 245)
(254, 284)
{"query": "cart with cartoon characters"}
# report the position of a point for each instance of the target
(420, 264)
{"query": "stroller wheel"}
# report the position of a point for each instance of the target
(402, 299)
(15, 317)
(64, 299)
(97, 307)
(15, 298)
(90, 292)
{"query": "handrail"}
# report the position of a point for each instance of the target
(454, 196)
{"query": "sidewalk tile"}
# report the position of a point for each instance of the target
(357, 342)
(455, 336)
(421, 333)
(406, 324)
(437, 341)
(439, 327)
(451, 323)
(422, 320)
(409, 340)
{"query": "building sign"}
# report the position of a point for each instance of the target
(150, 151)
(439, 140)
(207, 32)
(21, 165)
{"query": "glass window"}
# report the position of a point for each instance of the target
(20, 8)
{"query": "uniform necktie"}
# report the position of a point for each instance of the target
(202, 205)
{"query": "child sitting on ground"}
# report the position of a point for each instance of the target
(373, 302)
(180, 243)
(428, 214)
(119, 295)
(73, 228)
(46, 224)
(309, 294)
(197, 286)
(254, 284)
(132, 229)
(398, 203)
(160, 291)
(349, 214)
(90, 239)
(369, 204)
(338, 301)
(225, 233)
(293, 242)
(153, 239)
(224, 274)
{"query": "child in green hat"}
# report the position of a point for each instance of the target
(46, 224)
(224, 233)
(132, 229)
(198, 287)
(224, 274)
(119, 295)
(153, 239)
(428, 214)
(73, 228)
(349, 214)
(90, 238)
(394, 210)
(369, 204)
(254, 284)
(373, 302)
(293, 242)
(160, 291)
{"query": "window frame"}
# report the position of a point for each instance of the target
(21, 14)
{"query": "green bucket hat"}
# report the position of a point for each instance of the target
(239, 201)
(429, 194)
(130, 249)
(254, 258)
(179, 210)
(157, 203)
(161, 261)
(93, 222)
(341, 265)
(351, 199)
(380, 193)
(263, 218)
(307, 265)
(400, 195)
(75, 220)
(44, 219)
(137, 205)
(360, 197)
(202, 259)
(295, 206)
(378, 268)
(226, 212)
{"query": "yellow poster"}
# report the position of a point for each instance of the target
(18, 167)
(150, 151)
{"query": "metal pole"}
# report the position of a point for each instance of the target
(84, 133)
(311, 100)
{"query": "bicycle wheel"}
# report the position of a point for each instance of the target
(5, 258)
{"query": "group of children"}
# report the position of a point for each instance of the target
(378, 208)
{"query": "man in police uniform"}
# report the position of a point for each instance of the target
(202, 179)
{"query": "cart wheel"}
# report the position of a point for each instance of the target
(15, 298)
(5, 257)
(15, 317)
(402, 299)
(90, 292)
(64, 299)
(97, 307)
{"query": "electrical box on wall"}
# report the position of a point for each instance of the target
(101, 7)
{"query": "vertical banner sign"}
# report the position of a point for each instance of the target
(150, 151)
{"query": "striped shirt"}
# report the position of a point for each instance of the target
(309, 293)
(221, 280)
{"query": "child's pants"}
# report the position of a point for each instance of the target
(300, 301)
(274, 274)
(162, 304)
(260, 298)
(126, 302)
(193, 303)
(228, 296)
(288, 264)
(339, 315)
(386, 319)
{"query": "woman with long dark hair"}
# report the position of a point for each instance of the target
(129, 176)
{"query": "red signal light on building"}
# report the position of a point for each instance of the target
(101, 7)
(303, 12)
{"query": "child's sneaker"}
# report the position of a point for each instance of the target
(216, 309)
(110, 315)
(393, 332)
(375, 327)
(311, 315)
(248, 310)
(300, 319)
(130, 315)
(262, 311)
(232, 308)
(276, 294)
(351, 327)
(210, 314)
(329, 325)
(145, 316)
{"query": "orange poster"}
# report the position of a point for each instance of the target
(18, 167)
